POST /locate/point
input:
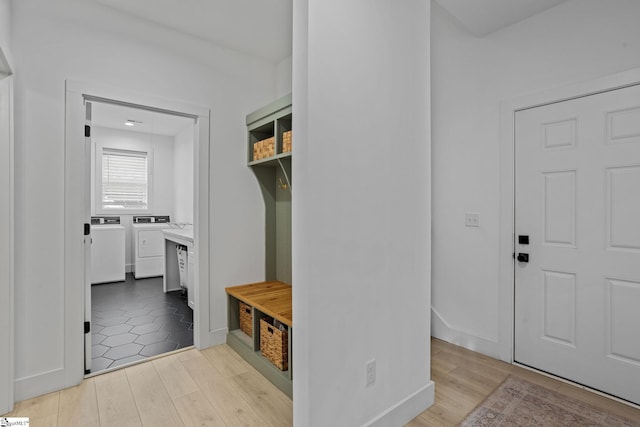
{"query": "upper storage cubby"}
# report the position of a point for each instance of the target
(269, 156)
(269, 130)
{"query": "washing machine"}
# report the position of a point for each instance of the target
(107, 250)
(148, 245)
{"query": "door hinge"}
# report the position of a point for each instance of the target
(87, 131)
(87, 327)
(87, 229)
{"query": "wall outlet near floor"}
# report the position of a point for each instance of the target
(370, 367)
(472, 219)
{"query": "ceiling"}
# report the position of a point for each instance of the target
(263, 28)
(483, 17)
(259, 28)
(148, 122)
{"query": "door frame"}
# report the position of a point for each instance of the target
(74, 244)
(7, 292)
(508, 109)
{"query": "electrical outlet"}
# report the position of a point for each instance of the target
(370, 367)
(472, 219)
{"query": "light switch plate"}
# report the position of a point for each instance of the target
(370, 367)
(472, 219)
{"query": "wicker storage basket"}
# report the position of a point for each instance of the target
(246, 321)
(274, 344)
(265, 148)
(286, 142)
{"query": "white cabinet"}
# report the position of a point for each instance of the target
(174, 237)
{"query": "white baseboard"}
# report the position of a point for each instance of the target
(218, 337)
(442, 330)
(37, 385)
(128, 268)
(213, 338)
(407, 409)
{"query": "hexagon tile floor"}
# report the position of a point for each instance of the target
(135, 319)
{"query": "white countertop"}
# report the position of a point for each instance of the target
(180, 234)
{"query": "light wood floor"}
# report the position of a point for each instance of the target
(215, 387)
(464, 379)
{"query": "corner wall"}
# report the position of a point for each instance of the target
(284, 76)
(361, 211)
(575, 41)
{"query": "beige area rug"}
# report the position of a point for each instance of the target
(517, 402)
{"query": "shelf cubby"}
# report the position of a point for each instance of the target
(270, 121)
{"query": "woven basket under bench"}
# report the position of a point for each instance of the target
(246, 320)
(274, 344)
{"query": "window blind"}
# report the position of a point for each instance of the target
(124, 179)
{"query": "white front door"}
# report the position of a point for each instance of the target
(6, 248)
(577, 299)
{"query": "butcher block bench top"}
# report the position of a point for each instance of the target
(271, 298)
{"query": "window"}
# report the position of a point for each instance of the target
(125, 181)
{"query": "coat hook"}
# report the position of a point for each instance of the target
(282, 185)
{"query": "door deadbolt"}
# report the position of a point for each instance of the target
(523, 257)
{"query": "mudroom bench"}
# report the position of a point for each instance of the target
(260, 325)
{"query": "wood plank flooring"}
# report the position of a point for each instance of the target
(215, 387)
(464, 379)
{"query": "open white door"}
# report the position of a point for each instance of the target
(87, 238)
(577, 296)
(6, 247)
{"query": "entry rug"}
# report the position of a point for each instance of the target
(517, 402)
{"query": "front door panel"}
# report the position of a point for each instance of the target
(577, 299)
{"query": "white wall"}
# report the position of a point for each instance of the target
(284, 76)
(5, 23)
(576, 41)
(361, 211)
(56, 40)
(183, 162)
(6, 246)
(6, 58)
(163, 174)
(6, 213)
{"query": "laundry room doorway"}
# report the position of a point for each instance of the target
(142, 168)
(141, 206)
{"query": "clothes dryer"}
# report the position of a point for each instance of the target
(148, 245)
